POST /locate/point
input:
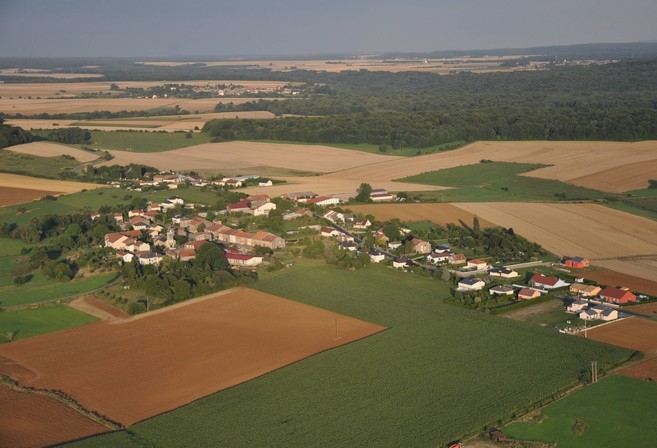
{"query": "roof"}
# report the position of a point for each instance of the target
(614, 293)
(544, 280)
(470, 281)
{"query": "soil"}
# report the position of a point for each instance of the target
(132, 370)
(33, 421)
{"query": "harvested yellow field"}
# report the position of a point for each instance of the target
(162, 123)
(439, 213)
(579, 163)
(231, 156)
(586, 230)
(46, 149)
(34, 183)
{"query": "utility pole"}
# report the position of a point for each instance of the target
(337, 330)
(594, 372)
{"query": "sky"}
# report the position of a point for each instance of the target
(161, 28)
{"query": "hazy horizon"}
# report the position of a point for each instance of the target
(167, 28)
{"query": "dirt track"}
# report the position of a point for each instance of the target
(133, 370)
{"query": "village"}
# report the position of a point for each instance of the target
(478, 282)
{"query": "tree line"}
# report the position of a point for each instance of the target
(12, 135)
(427, 129)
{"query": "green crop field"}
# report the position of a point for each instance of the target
(436, 374)
(23, 324)
(497, 181)
(618, 411)
(145, 141)
(42, 289)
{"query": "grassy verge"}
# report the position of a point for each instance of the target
(438, 373)
(603, 414)
(23, 324)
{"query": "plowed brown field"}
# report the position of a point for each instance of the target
(13, 196)
(646, 370)
(635, 333)
(441, 214)
(157, 362)
(613, 278)
(33, 421)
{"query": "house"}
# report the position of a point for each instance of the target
(376, 256)
(349, 245)
(233, 183)
(542, 281)
(148, 257)
(477, 264)
(456, 259)
(263, 209)
(334, 216)
(502, 271)
(300, 196)
(401, 263)
(362, 224)
(265, 183)
(577, 306)
(584, 290)
(470, 284)
(502, 290)
(392, 245)
(421, 247)
(243, 206)
(436, 257)
(528, 293)
(599, 313)
(575, 262)
(328, 232)
(617, 295)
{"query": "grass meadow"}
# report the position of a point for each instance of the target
(602, 414)
(436, 374)
(50, 167)
(26, 323)
(497, 181)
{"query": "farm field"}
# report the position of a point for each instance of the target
(13, 196)
(438, 213)
(34, 183)
(48, 149)
(635, 333)
(210, 344)
(589, 230)
(602, 414)
(34, 421)
(614, 278)
(418, 384)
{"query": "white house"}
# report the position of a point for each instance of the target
(376, 256)
(470, 284)
(599, 313)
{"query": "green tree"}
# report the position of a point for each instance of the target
(364, 192)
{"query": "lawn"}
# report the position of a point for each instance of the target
(617, 411)
(438, 373)
(145, 141)
(23, 324)
(497, 181)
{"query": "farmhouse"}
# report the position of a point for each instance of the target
(456, 259)
(617, 295)
(323, 201)
(528, 293)
(545, 282)
(470, 284)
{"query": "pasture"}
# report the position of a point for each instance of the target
(602, 414)
(419, 383)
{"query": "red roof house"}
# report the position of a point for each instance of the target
(617, 295)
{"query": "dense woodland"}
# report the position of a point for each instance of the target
(12, 135)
